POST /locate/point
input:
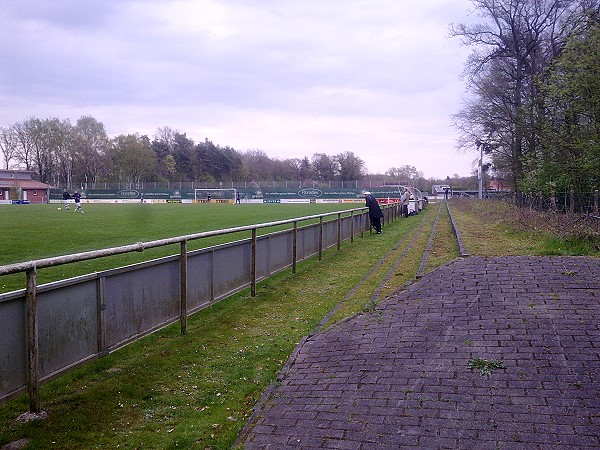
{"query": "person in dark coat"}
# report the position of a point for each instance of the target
(375, 213)
(66, 199)
(77, 198)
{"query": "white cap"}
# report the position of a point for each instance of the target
(366, 193)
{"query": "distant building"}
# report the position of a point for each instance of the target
(498, 184)
(18, 186)
(439, 190)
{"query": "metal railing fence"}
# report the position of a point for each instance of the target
(282, 184)
(566, 202)
(49, 329)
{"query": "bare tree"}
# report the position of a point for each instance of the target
(166, 136)
(8, 145)
(89, 156)
(24, 144)
(257, 165)
(512, 46)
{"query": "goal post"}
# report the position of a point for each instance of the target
(226, 195)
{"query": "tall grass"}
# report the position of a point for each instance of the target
(521, 231)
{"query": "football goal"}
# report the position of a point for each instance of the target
(215, 195)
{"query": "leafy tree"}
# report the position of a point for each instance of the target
(169, 166)
(185, 157)
(232, 163)
(283, 169)
(166, 163)
(404, 173)
(163, 145)
(217, 162)
(324, 167)
(295, 166)
(132, 159)
(351, 167)
(512, 46)
(257, 165)
(306, 172)
(571, 158)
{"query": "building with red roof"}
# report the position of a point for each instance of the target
(18, 186)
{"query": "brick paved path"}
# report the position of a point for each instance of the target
(399, 377)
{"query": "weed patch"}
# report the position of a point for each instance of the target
(485, 367)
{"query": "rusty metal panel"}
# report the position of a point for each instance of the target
(232, 268)
(308, 241)
(200, 273)
(263, 257)
(274, 253)
(138, 299)
(281, 250)
(67, 324)
(13, 350)
(330, 231)
(347, 228)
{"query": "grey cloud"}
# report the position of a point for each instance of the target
(290, 60)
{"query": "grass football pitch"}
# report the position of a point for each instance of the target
(40, 231)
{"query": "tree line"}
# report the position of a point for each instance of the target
(61, 153)
(66, 154)
(533, 80)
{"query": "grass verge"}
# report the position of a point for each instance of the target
(495, 228)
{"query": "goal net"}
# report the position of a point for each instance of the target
(215, 195)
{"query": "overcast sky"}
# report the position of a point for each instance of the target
(379, 78)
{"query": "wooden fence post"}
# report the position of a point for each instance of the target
(295, 247)
(253, 265)
(183, 266)
(32, 342)
(320, 238)
(101, 308)
(339, 231)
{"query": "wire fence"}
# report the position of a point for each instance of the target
(284, 184)
(569, 202)
(566, 214)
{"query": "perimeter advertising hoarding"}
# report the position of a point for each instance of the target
(265, 195)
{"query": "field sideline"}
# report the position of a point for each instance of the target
(41, 231)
